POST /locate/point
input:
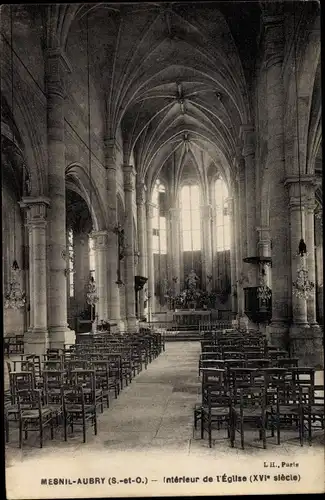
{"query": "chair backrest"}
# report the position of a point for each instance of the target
(287, 362)
(30, 399)
(20, 381)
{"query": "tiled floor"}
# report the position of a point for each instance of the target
(152, 419)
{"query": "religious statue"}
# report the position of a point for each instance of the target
(192, 280)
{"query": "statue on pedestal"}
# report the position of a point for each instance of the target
(192, 280)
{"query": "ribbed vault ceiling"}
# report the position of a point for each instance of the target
(169, 72)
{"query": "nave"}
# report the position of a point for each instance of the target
(154, 413)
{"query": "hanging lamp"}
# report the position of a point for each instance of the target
(302, 286)
(92, 296)
(15, 297)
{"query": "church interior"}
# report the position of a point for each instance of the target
(162, 223)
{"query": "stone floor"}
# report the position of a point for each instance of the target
(148, 433)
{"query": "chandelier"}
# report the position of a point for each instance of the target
(302, 287)
(15, 297)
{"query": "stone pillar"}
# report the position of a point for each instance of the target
(114, 311)
(275, 168)
(206, 216)
(151, 270)
(36, 338)
(299, 305)
(59, 333)
(264, 250)
(129, 190)
(305, 341)
(141, 225)
(101, 253)
(233, 272)
(239, 261)
(243, 280)
(82, 269)
(174, 236)
(248, 152)
(310, 206)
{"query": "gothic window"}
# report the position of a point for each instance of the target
(71, 262)
(222, 216)
(159, 236)
(190, 210)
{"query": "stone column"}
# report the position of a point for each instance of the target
(151, 270)
(59, 333)
(175, 213)
(141, 224)
(129, 190)
(82, 269)
(299, 305)
(242, 231)
(248, 152)
(239, 261)
(305, 341)
(233, 272)
(206, 216)
(275, 168)
(36, 338)
(310, 206)
(114, 311)
(264, 250)
(101, 253)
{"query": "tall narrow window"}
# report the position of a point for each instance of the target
(91, 257)
(159, 219)
(222, 217)
(190, 209)
(71, 262)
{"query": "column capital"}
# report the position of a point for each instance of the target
(308, 184)
(129, 173)
(111, 148)
(141, 190)
(247, 135)
(36, 210)
(100, 239)
(57, 66)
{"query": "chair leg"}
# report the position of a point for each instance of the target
(52, 427)
(210, 432)
(84, 427)
(278, 430)
(65, 424)
(242, 434)
(202, 423)
(20, 433)
(95, 423)
(41, 435)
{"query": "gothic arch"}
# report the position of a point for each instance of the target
(78, 179)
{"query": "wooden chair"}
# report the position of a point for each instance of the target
(286, 412)
(248, 407)
(313, 409)
(92, 390)
(216, 409)
(33, 415)
(78, 411)
(106, 383)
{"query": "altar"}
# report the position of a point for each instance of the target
(193, 318)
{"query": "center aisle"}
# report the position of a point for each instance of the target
(156, 409)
